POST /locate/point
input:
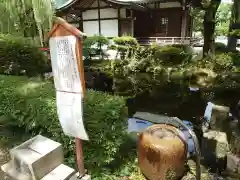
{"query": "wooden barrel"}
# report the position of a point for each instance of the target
(162, 152)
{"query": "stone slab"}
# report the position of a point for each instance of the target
(62, 172)
(233, 163)
(37, 156)
(75, 177)
(214, 149)
(235, 140)
(11, 171)
(219, 118)
(216, 142)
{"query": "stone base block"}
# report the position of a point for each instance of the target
(37, 156)
(75, 177)
(11, 171)
(214, 149)
(62, 172)
(220, 118)
(235, 140)
(233, 163)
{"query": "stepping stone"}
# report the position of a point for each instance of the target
(214, 149)
(233, 163)
(62, 172)
(76, 177)
(34, 158)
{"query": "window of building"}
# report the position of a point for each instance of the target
(162, 27)
(128, 13)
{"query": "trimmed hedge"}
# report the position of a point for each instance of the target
(30, 103)
(92, 46)
(20, 56)
(172, 55)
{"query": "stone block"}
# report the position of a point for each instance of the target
(76, 177)
(204, 176)
(233, 163)
(36, 157)
(219, 118)
(62, 172)
(10, 170)
(234, 142)
(215, 148)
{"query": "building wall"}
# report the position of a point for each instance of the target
(100, 21)
(153, 23)
(113, 21)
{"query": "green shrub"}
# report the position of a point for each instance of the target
(142, 59)
(171, 55)
(223, 62)
(31, 103)
(88, 45)
(235, 57)
(125, 45)
(235, 32)
(186, 48)
(19, 56)
(125, 41)
(220, 47)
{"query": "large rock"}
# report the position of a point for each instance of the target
(234, 138)
(34, 159)
(233, 163)
(220, 118)
(214, 149)
(204, 176)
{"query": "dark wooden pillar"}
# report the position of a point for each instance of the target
(81, 22)
(99, 21)
(119, 22)
(132, 23)
(184, 20)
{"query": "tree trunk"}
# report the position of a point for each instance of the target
(209, 28)
(235, 18)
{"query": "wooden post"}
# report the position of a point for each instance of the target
(78, 142)
(99, 18)
(63, 29)
(119, 22)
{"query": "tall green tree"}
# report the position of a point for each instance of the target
(222, 19)
(210, 8)
(28, 18)
(209, 24)
(235, 19)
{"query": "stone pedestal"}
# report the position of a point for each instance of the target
(39, 158)
(76, 177)
(219, 118)
(234, 142)
(35, 158)
(214, 149)
(233, 163)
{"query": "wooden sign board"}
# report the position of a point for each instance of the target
(67, 66)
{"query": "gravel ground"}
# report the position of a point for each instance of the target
(4, 157)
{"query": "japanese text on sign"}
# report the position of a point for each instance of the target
(64, 64)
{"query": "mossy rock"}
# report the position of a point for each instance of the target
(234, 142)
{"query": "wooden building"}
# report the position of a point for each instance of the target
(157, 19)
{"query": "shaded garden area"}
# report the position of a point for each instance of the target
(153, 79)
